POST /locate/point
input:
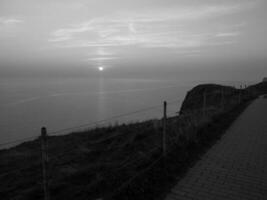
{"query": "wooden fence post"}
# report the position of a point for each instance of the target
(164, 145)
(204, 103)
(239, 97)
(44, 162)
(222, 99)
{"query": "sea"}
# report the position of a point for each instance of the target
(65, 105)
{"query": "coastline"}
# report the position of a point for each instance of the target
(110, 156)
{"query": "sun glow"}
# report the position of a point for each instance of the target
(100, 68)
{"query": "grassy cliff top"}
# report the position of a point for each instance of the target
(98, 161)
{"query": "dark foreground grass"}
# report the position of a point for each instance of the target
(120, 162)
(156, 182)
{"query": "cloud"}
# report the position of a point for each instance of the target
(165, 28)
(9, 27)
(65, 34)
(102, 58)
(9, 21)
(228, 34)
(103, 52)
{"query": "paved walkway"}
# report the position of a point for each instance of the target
(234, 168)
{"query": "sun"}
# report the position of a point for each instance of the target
(100, 68)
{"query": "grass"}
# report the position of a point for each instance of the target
(95, 164)
(157, 182)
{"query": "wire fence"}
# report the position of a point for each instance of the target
(100, 161)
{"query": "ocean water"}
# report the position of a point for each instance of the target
(58, 104)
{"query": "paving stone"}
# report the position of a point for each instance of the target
(236, 166)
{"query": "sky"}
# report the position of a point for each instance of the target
(197, 39)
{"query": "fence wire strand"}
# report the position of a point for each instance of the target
(151, 155)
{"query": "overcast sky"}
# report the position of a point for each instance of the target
(226, 38)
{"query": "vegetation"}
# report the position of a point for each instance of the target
(123, 161)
